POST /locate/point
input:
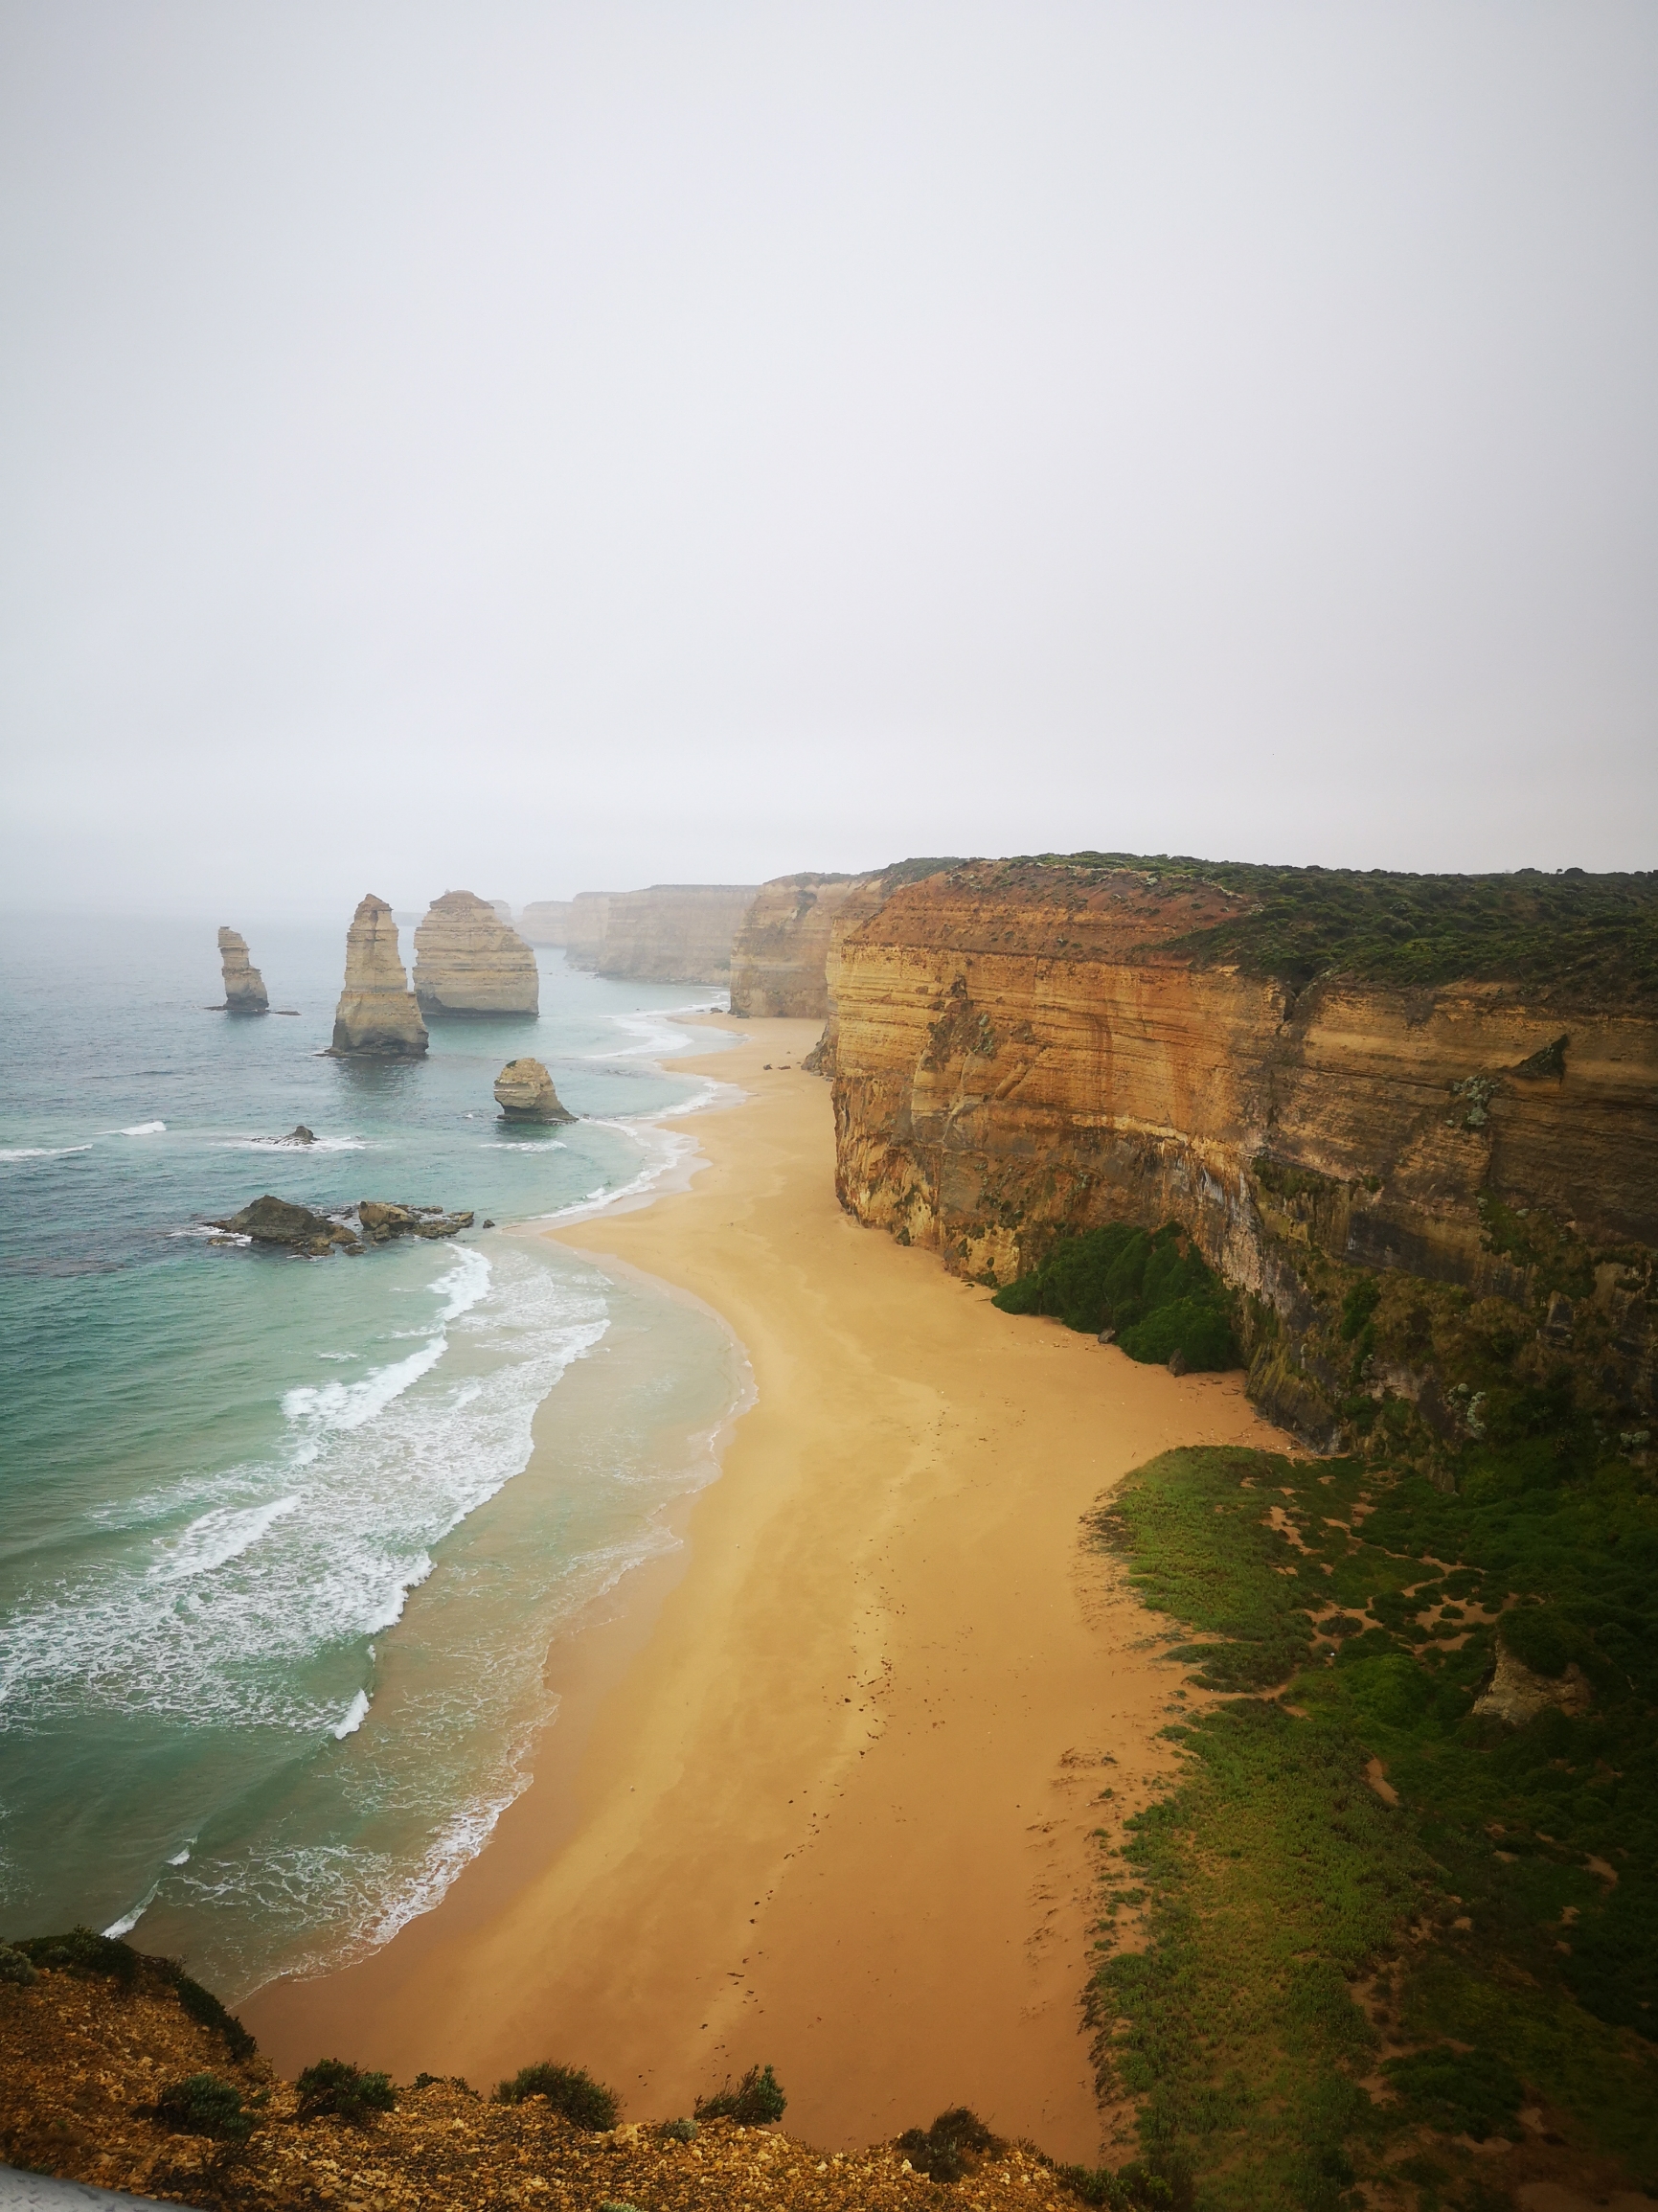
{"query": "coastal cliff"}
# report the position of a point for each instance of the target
(780, 958)
(469, 962)
(244, 990)
(670, 933)
(1450, 1082)
(377, 1014)
(546, 921)
(581, 928)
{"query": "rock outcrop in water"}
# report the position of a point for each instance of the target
(524, 1092)
(244, 990)
(273, 1221)
(469, 962)
(673, 932)
(1022, 1049)
(377, 1015)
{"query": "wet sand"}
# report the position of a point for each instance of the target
(822, 1784)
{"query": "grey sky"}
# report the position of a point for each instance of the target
(540, 447)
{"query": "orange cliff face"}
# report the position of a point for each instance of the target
(1022, 1047)
(779, 959)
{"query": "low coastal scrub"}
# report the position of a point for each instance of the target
(957, 2144)
(569, 2091)
(756, 2101)
(1403, 1896)
(343, 2092)
(205, 2105)
(1156, 1292)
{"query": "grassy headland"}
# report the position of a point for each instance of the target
(1383, 1926)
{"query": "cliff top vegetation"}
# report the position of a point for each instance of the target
(1593, 934)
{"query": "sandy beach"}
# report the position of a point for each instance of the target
(821, 1786)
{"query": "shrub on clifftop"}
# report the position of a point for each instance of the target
(570, 2091)
(756, 2101)
(332, 2085)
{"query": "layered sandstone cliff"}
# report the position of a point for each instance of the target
(673, 932)
(1026, 1048)
(583, 938)
(546, 921)
(377, 1014)
(779, 957)
(244, 990)
(469, 962)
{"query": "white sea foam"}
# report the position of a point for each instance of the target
(219, 1537)
(285, 1559)
(356, 1713)
(42, 1152)
(139, 1129)
(287, 1145)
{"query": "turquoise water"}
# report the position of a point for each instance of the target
(277, 1575)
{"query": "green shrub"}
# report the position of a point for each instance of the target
(956, 2144)
(1156, 1291)
(82, 1951)
(15, 1967)
(755, 2103)
(204, 2105)
(678, 2130)
(445, 2081)
(1357, 1306)
(332, 2085)
(1132, 2189)
(1459, 2092)
(570, 2091)
(202, 2005)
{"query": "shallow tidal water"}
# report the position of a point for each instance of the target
(277, 1572)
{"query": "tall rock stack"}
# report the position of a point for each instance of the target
(377, 1014)
(244, 990)
(469, 963)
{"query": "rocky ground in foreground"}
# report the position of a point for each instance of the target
(85, 2060)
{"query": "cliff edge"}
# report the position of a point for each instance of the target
(1320, 1076)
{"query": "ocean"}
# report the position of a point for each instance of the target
(278, 1573)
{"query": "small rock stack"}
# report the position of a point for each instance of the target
(524, 1092)
(244, 990)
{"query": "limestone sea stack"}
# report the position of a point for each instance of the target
(469, 962)
(376, 1015)
(524, 1092)
(244, 990)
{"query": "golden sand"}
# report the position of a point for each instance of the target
(820, 1790)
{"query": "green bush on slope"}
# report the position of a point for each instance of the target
(1156, 1291)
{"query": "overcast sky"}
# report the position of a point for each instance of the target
(541, 447)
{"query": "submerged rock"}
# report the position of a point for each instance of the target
(244, 990)
(470, 961)
(273, 1221)
(524, 1092)
(376, 1015)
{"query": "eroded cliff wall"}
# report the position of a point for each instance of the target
(546, 921)
(779, 957)
(672, 933)
(1025, 1048)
